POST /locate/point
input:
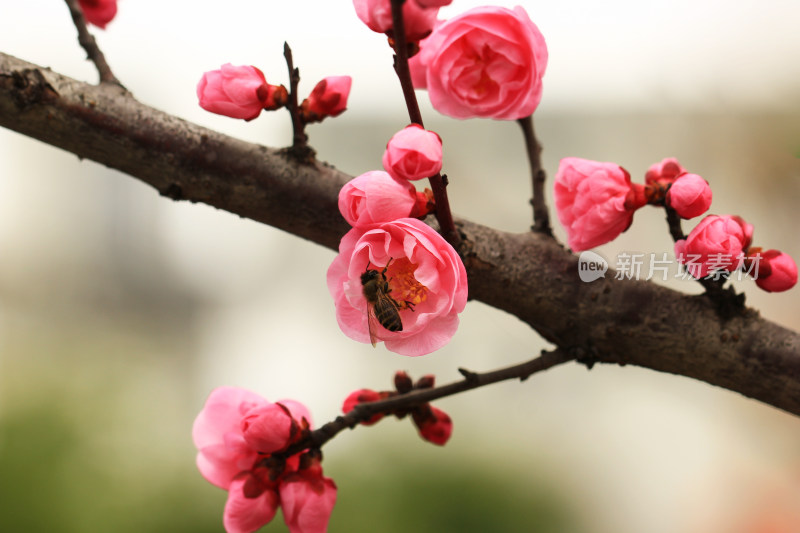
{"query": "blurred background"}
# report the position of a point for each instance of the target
(121, 310)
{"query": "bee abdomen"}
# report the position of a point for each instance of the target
(388, 316)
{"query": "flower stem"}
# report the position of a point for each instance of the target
(300, 148)
(87, 41)
(438, 182)
(541, 216)
(472, 380)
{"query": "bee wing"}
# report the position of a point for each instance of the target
(372, 324)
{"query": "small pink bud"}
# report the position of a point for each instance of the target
(418, 20)
(434, 425)
(689, 196)
(361, 396)
(413, 153)
(327, 99)
(717, 243)
(664, 172)
(268, 428)
(780, 274)
(236, 92)
(375, 197)
(98, 12)
(595, 201)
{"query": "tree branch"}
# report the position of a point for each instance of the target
(541, 216)
(87, 41)
(528, 275)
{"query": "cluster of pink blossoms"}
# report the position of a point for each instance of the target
(425, 280)
(99, 12)
(596, 201)
(243, 92)
(486, 62)
(237, 434)
(433, 424)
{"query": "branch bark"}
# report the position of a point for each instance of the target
(528, 275)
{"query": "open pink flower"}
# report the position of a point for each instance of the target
(426, 278)
(689, 195)
(98, 12)
(417, 20)
(717, 243)
(413, 153)
(595, 201)
(234, 433)
(238, 92)
(777, 271)
(375, 197)
(487, 62)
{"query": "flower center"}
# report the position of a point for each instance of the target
(405, 287)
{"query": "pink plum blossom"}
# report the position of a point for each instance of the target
(418, 19)
(425, 275)
(413, 153)
(487, 62)
(327, 99)
(307, 499)
(689, 196)
(235, 433)
(595, 201)
(375, 197)
(718, 242)
(98, 12)
(238, 92)
(664, 172)
(777, 271)
(434, 425)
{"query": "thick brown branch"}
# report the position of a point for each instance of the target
(527, 275)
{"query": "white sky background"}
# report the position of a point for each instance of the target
(620, 56)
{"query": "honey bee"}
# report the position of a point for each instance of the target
(381, 307)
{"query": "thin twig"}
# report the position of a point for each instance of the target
(438, 183)
(541, 216)
(87, 41)
(300, 146)
(472, 380)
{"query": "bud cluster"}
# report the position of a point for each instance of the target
(433, 424)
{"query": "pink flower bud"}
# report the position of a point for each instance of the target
(98, 12)
(375, 197)
(595, 201)
(268, 428)
(664, 172)
(246, 511)
(434, 424)
(423, 272)
(328, 99)
(413, 153)
(487, 62)
(307, 499)
(780, 273)
(689, 196)
(236, 92)
(717, 243)
(418, 20)
(361, 396)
